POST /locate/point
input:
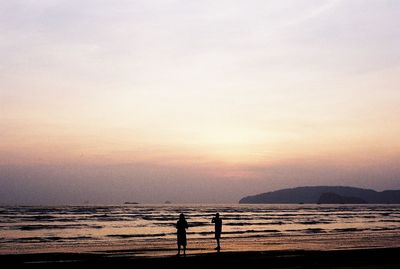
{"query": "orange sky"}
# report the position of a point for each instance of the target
(229, 85)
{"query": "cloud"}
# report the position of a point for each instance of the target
(180, 85)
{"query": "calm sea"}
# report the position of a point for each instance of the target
(150, 229)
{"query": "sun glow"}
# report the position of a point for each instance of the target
(229, 89)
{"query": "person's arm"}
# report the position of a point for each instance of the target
(213, 220)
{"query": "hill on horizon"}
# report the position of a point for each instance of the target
(324, 195)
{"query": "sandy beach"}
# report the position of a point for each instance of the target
(356, 258)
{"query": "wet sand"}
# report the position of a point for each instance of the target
(355, 258)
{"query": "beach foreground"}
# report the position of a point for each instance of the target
(352, 258)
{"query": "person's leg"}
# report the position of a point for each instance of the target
(218, 246)
(184, 250)
(179, 249)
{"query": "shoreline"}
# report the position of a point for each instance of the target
(167, 247)
(370, 258)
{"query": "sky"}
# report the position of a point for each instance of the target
(196, 101)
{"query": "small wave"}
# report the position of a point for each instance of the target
(384, 229)
(241, 232)
(253, 223)
(47, 239)
(64, 226)
(198, 224)
(43, 217)
(191, 224)
(160, 218)
(348, 229)
(390, 220)
(314, 230)
(202, 233)
(314, 222)
(136, 235)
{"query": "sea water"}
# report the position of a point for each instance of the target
(150, 229)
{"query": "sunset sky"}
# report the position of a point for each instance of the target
(196, 101)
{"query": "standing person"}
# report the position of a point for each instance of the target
(218, 229)
(181, 227)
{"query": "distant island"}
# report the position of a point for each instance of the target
(324, 195)
(131, 203)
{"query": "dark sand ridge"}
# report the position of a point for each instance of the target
(356, 258)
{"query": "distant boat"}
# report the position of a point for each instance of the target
(167, 202)
(131, 203)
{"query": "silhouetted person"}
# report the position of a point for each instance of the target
(218, 229)
(181, 227)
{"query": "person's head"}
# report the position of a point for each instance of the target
(217, 215)
(182, 216)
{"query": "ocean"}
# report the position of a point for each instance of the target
(149, 230)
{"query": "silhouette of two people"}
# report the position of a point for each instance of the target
(182, 225)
